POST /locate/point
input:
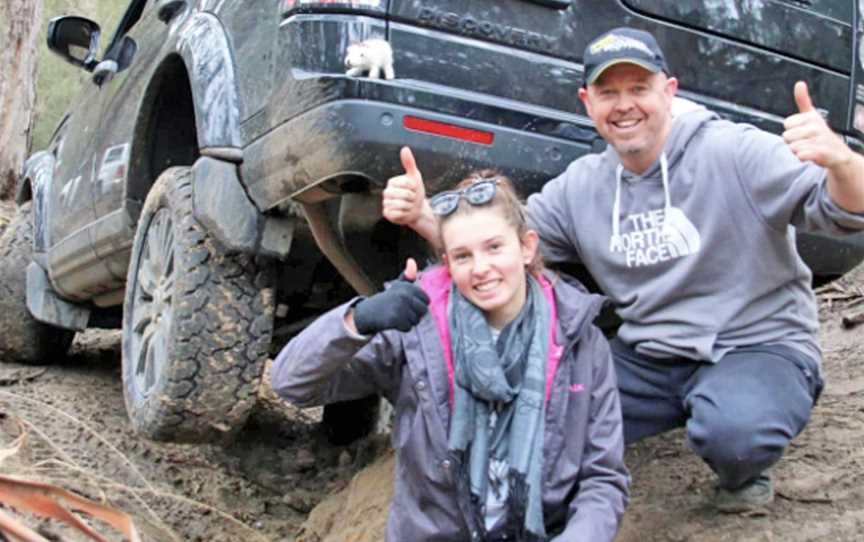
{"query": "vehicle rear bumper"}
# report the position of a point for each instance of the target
(361, 139)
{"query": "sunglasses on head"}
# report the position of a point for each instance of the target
(480, 192)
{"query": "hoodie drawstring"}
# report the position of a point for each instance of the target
(615, 244)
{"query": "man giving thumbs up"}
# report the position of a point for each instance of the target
(686, 223)
(810, 138)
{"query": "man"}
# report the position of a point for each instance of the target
(686, 223)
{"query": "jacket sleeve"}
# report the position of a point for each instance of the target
(549, 215)
(326, 363)
(782, 189)
(595, 513)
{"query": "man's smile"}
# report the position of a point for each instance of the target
(626, 124)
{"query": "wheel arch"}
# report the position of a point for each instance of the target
(207, 53)
(165, 130)
(34, 186)
(191, 106)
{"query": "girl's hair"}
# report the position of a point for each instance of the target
(506, 201)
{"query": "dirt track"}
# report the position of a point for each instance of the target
(259, 488)
(263, 486)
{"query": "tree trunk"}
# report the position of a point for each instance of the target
(20, 21)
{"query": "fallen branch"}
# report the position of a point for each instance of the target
(806, 500)
(15, 528)
(46, 501)
(89, 429)
(853, 320)
(102, 439)
(136, 493)
(21, 376)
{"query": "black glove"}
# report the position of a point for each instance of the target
(399, 307)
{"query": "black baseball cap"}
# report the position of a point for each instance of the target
(619, 46)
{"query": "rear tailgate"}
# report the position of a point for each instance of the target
(741, 59)
(518, 50)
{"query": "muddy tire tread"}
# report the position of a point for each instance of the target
(220, 335)
(24, 339)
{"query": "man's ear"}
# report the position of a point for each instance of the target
(671, 87)
(583, 95)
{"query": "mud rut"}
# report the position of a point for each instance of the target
(263, 486)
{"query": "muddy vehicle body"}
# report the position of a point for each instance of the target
(218, 182)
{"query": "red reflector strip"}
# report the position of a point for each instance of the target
(448, 130)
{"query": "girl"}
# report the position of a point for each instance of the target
(507, 423)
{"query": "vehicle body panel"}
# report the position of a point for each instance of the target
(210, 62)
(269, 93)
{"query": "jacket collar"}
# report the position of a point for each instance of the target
(572, 308)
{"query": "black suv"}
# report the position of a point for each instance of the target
(218, 183)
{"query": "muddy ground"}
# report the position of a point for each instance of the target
(281, 468)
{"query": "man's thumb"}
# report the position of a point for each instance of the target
(410, 273)
(802, 98)
(409, 163)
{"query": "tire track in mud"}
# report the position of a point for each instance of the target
(260, 487)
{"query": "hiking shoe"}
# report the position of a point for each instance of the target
(752, 496)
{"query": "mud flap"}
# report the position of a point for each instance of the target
(47, 307)
(221, 205)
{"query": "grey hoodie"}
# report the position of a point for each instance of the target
(705, 261)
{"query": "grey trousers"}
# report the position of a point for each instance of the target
(740, 412)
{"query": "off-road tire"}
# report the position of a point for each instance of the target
(24, 339)
(191, 369)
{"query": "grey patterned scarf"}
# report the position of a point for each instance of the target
(511, 372)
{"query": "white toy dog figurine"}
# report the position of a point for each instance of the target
(370, 56)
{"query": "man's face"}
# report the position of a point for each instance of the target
(630, 107)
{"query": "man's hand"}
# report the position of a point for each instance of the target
(810, 137)
(405, 194)
(401, 306)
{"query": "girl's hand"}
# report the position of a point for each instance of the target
(399, 307)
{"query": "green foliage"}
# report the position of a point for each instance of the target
(59, 82)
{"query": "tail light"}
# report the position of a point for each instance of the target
(289, 7)
(453, 131)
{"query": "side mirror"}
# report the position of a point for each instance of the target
(75, 39)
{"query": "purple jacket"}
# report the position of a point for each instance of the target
(585, 481)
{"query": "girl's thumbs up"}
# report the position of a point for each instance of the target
(410, 273)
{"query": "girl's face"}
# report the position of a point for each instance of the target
(487, 261)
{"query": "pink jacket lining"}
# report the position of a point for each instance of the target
(436, 283)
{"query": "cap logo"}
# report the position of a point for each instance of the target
(613, 43)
